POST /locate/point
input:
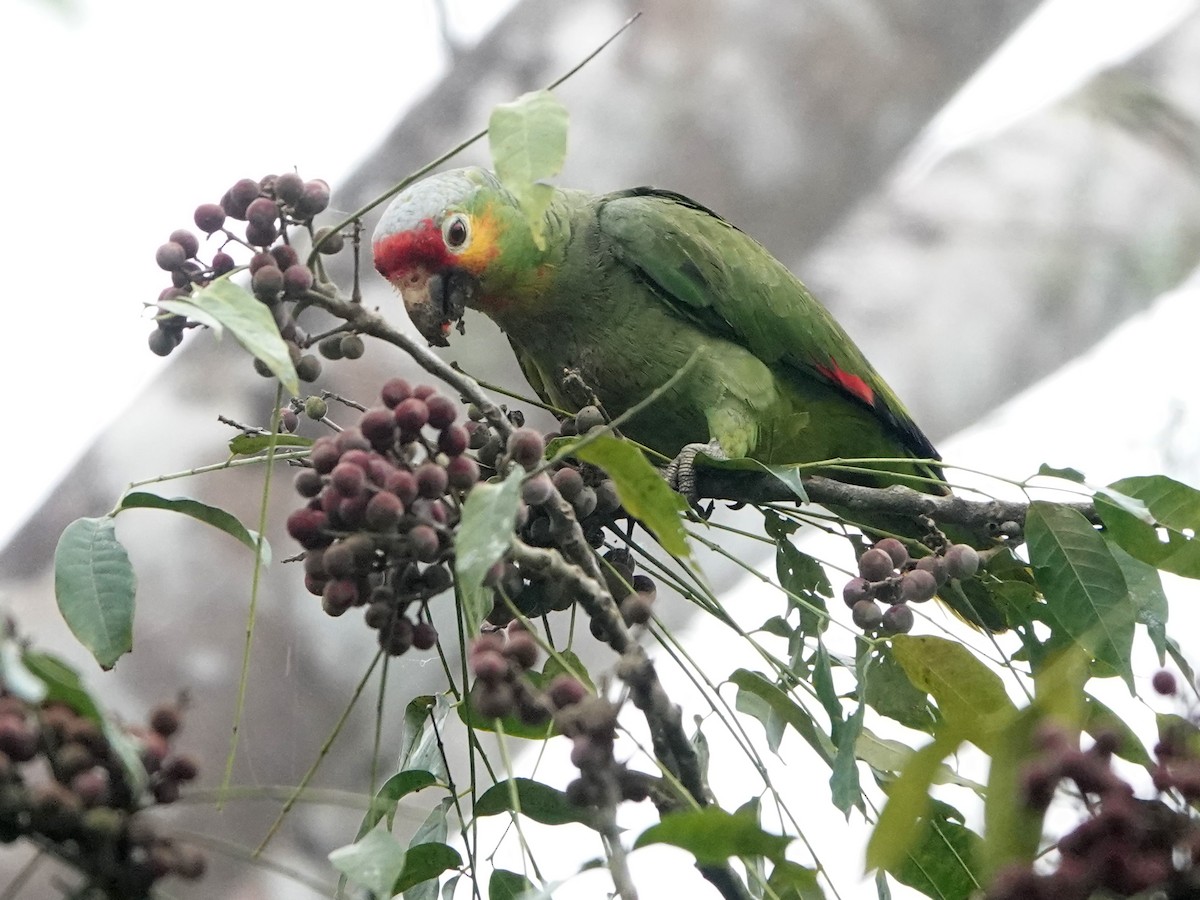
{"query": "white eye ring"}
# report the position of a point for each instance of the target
(456, 232)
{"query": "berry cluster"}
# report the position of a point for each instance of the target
(383, 502)
(269, 206)
(1126, 845)
(498, 659)
(887, 574)
(65, 785)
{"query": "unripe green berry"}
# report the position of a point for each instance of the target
(315, 407)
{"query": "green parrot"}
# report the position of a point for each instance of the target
(626, 289)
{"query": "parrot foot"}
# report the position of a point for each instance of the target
(681, 471)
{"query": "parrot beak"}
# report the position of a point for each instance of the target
(436, 301)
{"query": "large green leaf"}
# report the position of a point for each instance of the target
(432, 831)
(484, 535)
(380, 864)
(1162, 524)
(941, 864)
(771, 705)
(1149, 598)
(95, 588)
(534, 800)
(506, 885)
(642, 490)
(889, 691)
(224, 304)
(843, 781)
(792, 881)
(388, 797)
(419, 750)
(788, 476)
(203, 512)
(1013, 829)
(889, 757)
(1084, 587)
(969, 695)
(251, 444)
(528, 139)
(713, 835)
(897, 831)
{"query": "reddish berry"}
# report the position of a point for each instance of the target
(895, 549)
(462, 472)
(1164, 683)
(875, 565)
(188, 241)
(394, 391)
(170, 256)
(452, 440)
(962, 561)
(442, 410)
(411, 415)
(239, 198)
(526, 448)
(209, 217)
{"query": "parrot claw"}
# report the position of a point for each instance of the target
(681, 471)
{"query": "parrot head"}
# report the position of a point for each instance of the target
(452, 241)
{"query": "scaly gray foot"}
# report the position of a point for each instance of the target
(681, 471)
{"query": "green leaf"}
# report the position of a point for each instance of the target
(484, 536)
(1084, 588)
(642, 490)
(528, 140)
(505, 885)
(788, 476)
(209, 515)
(535, 800)
(1166, 534)
(888, 691)
(432, 830)
(886, 756)
(252, 444)
(843, 782)
(224, 304)
(941, 864)
(1149, 598)
(388, 797)
(897, 832)
(1067, 474)
(822, 682)
(567, 662)
(969, 695)
(771, 705)
(792, 881)
(1013, 829)
(17, 676)
(95, 588)
(713, 835)
(380, 864)
(419, 746)
(804, 577)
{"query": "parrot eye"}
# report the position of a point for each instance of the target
(455, 232)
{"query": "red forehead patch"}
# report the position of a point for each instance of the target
(420, 246)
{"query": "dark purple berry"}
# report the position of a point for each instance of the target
(383, 511)
(452, 440)
(962, 561)
(262, 212)
(424, 543)
(222, 262)
(537, 490)
(431, 480)
(162, 341)
(1164, 683)
(424, 636)
(209, 217)
(239, 198)
(285, 256)
(185, 239)
(875, 565)
(313, 199)
(462, 472)
(489, 666)
(526, 448)
(267, 282)
(403, 484)
(895, 549)
(866, 615)
(917, 586)
(394, 391)
(442, 411)
(325, 453)
(288, 187)
(165, 719)
(411, 415)
(566, 690)
(897, 619)
(348, 479)
(493, 701)
(260, 259)
(856, 590)
(170, 256)
(260, 235)
(339, 595)
(569, 483)
(935, 566)
(307, 527)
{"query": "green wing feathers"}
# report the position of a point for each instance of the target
(728, 284)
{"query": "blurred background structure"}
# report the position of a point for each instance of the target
(967, 264)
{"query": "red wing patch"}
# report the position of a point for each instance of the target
(421, 246)
(848, 382)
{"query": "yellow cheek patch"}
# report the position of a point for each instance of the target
(485, 233)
